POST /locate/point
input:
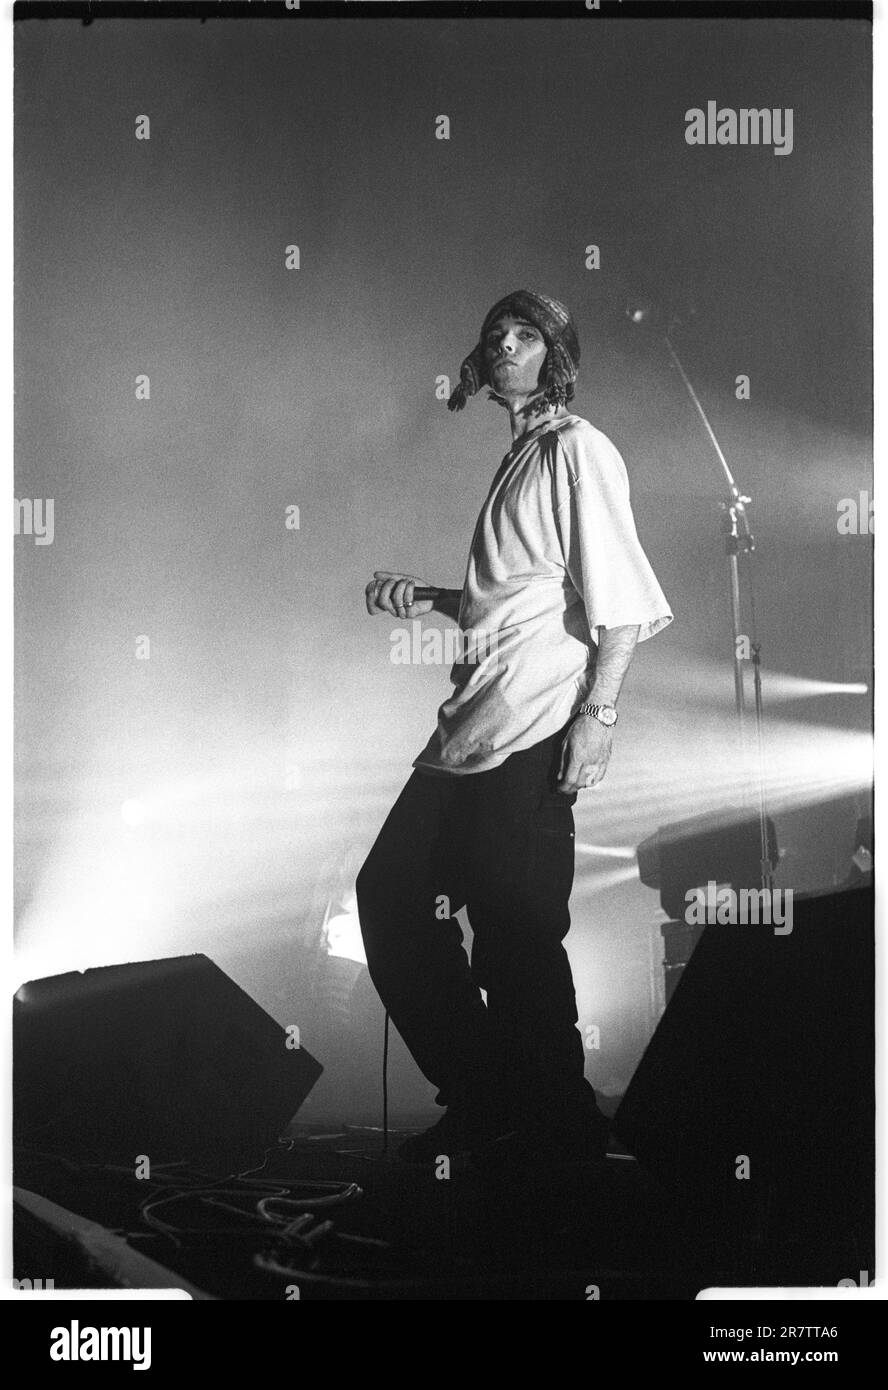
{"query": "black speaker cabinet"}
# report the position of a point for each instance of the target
(168, 1058)
(754, 1101)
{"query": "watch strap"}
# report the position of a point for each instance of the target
(594, 711)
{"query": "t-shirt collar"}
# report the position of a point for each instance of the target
(549, 424)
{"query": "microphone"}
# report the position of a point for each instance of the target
(662, 310)
(421, 594)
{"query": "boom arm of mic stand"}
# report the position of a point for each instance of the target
(738, 540)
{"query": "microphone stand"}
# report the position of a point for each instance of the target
(739, 540)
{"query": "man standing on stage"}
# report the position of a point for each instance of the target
(559, 586)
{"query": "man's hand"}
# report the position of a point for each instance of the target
(585, 754)
(393, 593)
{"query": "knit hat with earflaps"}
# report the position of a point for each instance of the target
(562, 361)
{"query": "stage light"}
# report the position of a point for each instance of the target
(587, 883)
(689, 854)
(712, 682)
(606, 851)
(342, 932)
(782, 686)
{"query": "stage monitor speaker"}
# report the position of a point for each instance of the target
(168, 1058)
(754, 1101)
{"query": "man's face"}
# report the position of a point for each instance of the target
(514, 351)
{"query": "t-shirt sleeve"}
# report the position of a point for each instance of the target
(602, 553)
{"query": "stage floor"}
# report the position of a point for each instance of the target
(390, 1232)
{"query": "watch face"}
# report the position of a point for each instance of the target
(608, 716)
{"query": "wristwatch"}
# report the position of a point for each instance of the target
(605, 714)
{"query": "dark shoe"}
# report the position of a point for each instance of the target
(449, 1136)
(529, 1148)
(453, 1136)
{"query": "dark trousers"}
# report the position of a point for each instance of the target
(502, 843)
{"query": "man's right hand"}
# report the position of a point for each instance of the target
(393, 593)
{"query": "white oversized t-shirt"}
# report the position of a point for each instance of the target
(555, 556)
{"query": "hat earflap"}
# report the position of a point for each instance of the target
(471, 375)
(560, 374)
